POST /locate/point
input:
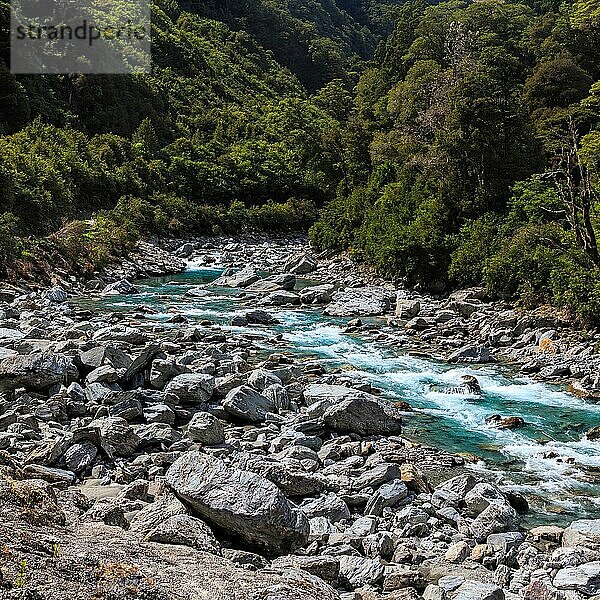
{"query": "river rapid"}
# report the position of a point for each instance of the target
(548, 460)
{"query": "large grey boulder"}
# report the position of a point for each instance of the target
(119, 287)
(317, 294)
(496, 518)
(237, 279)
(584, 578)
(300, 264)
(37, 371)
(247, 404)
(367, 301)
(116, 436)
(364, 414)
(583, 532)
(192, 388)
(184, 530)
(286, 281)
(356, 571)
(241, 503)
(206, 429)
(473, 590)
(472, 354)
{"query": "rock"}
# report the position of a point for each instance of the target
(116, 436)
(260, 317)
(356, 571)
(129, 409)
(550, 533)
(102, 355)
(364, 302)
(239, 279)
(80, 457)
(191, 388)
(206, 429)
(159, 413)
(539, 589)
(593, 434)
(239, 502)
(280, 298)
(407, 309)
(278, 396)
(247, 404)
(37, 371)
(363, 414)
(458, 552)
(56, 295)
(584, 532)
(300, 264)
(501, 422)
(389, 494)
(584, 578)
(496, 518)
(472, 354)
(379, 474)
(472, 590)
(273, 283)
(259, 379)
(155, 434)
(185, 530)
(152, 515)
(119, 287)
(329, 505)
(317, 294)
(325, 567)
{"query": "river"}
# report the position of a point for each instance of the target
(548, 460)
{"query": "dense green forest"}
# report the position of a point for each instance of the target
(448, 144)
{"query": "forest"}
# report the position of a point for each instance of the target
(447, 144)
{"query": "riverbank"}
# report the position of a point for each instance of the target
(262, 459)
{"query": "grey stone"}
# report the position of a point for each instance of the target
(206, 429)
(192, 388)
(240, 502)
(184, 530)
(247, 404)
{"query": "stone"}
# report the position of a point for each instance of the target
(116, 436)
(407, 309)
(325, 567)
(238, 279)
(239, 502)
(356, 571)
(286, 281)
(119, 287)
(458, 552)
(329, 505)
(38, 371)
(79, 457)
(152, 515)
(159, 413)
(206, 429)
(317, 294)
(300, 264)
(56, 295)
(584, 578)
(363, 414)
(156, 434)
(191, 388)
(501, 422)
(472, 354)
(363, 302)
(389, 494)
(247, 404)
(260, 317)
(280, 298)
(259, 379)
(473, 590)
(583, 532)
(185, 530)
(496, 518)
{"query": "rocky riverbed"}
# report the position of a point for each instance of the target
(170, 458)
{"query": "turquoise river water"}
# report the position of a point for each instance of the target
(549, 460)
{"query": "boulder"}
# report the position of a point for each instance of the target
(407, 309)
(584, 532)
(287, 282)
(281, 298)
(116, 436)
(239, 502)
(56, 295)
(184, 530)
(247, 404)
(239, 279)
(37, 371)
(119, 287)
(501, 422)
(584, 578)
(329, 505)
(300, 264)
(260, 317)
(473, 590)
(356, 571)
(80, 456)
(317, 294)
(192, 388)
(472, 354)
(496, 518)
(367, 301)
(206, 429)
